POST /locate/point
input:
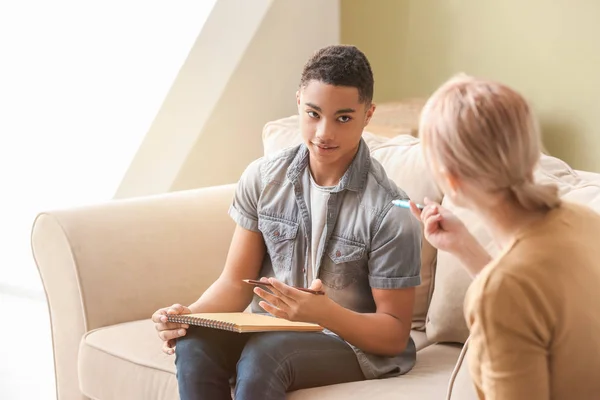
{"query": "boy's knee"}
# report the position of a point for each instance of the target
(185, 350)
(190, 352)
(262, 360)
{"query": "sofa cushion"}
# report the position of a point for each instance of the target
(125, 361)
(403, 161)
(420, 338)
(461, 385)
(428, 380)
(445, 319)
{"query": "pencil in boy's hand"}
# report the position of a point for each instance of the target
(268, 284)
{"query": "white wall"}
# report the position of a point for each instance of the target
(76, 100)
(242, 72)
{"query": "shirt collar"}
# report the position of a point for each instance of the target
(355, 177)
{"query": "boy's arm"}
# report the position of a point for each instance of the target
(226, 294)
(246, 253)
(384, 332)
(244, 261)
(229, 293)
(394, 271)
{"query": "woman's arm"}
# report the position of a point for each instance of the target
(509, 338)
(472, 255)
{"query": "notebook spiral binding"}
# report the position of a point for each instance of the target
(207, 323)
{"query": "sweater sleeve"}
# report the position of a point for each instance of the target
(509, 339)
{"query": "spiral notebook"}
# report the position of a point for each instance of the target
(243, 322)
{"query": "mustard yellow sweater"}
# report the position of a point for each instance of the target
(534, 312)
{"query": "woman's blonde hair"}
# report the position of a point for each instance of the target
(485, 132)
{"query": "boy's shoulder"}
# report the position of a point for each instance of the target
(379, 181)
(272, 166)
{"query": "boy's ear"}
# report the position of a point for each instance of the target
(370, 112)
(298, 97)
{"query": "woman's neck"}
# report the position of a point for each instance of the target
(506, 218)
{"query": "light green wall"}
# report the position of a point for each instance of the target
(379, 28)
(547, 49)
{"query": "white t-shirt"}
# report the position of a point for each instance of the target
(319, 196)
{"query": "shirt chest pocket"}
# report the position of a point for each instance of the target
(280, 239)
(341, 265)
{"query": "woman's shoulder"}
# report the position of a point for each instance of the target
(506, 290)
(541, 257)
(569, 209)
(510, 272)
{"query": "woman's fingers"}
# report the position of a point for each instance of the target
(432, 223)
(414, 210)
(429, 211)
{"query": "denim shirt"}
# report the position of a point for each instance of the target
(367, 243)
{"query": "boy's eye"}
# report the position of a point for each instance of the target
(344, 119)
(312, 114)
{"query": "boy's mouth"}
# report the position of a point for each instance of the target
(324, 147)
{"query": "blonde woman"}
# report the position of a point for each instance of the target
(533, 311)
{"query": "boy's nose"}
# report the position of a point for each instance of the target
(324, 134)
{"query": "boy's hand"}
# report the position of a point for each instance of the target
(170, 331)
(292, 304)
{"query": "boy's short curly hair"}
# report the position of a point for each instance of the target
(340, 65)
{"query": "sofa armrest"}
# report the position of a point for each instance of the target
(120, 261)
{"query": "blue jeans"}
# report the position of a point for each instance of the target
(264, 365)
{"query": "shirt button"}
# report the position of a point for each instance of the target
(338, 253)
(276, 234)
(303, 270)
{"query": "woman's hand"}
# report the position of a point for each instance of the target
(446, 232)
(441, 227)
(293, 304)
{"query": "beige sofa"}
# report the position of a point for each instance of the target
(107, 267)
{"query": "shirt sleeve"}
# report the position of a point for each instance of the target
(244, 208)
(508, 340)
(395, 256)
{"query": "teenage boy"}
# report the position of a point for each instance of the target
(318, 215)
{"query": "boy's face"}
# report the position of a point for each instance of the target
(331, 121)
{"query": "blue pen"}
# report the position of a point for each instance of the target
(405, 204)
